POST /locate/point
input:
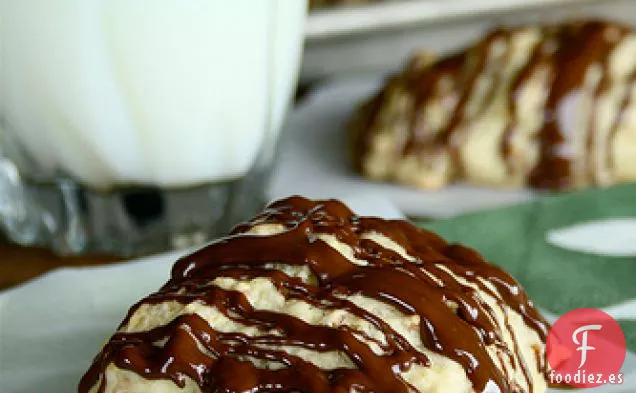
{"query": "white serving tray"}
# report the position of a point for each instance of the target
(379, 37)
(333, 21)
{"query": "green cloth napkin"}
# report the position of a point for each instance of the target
(561, 279)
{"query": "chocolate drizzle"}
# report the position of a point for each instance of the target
(463, 77)
(425, 88)
(579, 46)
(566, 51)
(540, 57)
(423, 285)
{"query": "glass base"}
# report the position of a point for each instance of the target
(71, 219)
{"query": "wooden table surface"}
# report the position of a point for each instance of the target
(19, 264)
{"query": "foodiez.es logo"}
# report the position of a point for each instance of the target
(586, 348)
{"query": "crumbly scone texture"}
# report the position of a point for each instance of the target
(308, 297)
(552, 107)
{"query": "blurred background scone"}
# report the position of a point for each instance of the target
(549, 107)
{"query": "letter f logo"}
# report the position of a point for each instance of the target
(583, 344)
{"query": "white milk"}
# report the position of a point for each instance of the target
(164, 92)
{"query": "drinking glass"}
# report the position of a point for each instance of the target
(134, 126)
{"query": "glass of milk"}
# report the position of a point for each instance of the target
(134, 126)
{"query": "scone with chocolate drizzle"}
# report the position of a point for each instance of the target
(308, 297)
(550, 107)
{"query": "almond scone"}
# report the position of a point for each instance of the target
(309, 297)
(550, 107)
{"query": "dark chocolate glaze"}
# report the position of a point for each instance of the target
(579, 46)
(425, 87)
(567, 51)
(480, 55)
(462, 70)
(540, 57)
(425, 285)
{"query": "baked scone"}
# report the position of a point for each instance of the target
(551, 107)
(308, 297)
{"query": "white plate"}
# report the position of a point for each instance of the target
(51, 328)
(380, 37)
(313, 160)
